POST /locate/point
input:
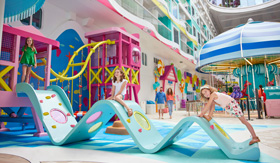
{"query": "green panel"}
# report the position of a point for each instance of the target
(166, 21)
(162, 30)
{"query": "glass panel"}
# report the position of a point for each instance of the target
(37, 19)
(176, 35)
(26, 21)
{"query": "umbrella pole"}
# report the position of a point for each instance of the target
(267, 75)
(248, 102)
(254, 86)
(241, 83)
(213, 84)
(2, 8)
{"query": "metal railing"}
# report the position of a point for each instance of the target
(140, 11)
(185, 48)
(194, 106)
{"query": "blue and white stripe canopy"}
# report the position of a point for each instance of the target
(20, 9)
(252, 40)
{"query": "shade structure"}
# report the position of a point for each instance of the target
(254, 42)
(20, 9)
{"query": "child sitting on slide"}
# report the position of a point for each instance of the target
(119, 89)
(211, 96)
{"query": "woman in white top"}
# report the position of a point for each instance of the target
(119, 89)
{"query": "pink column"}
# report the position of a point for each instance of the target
(103, 66)
(2, 125)
(88, 69)
(40, 130)
(163, 85)
(120, 49)
(15, 59)
(48, 66)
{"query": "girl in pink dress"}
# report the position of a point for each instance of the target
(211, 96)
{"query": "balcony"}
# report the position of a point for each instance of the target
(140, 11)
(185, 48)
(188, 28)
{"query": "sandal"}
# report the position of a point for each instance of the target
(207, 117)
(129, 112)
(254, 140)
(13, 115)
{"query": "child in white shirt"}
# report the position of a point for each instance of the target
(119, 89)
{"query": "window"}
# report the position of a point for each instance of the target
(194, 31)
(192, 11)
(195, 53)
(174, 9)
(175, 35)
(156, 60)
(144, 59)
(34, 20)
(198, 35)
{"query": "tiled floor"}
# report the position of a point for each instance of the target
(195, 147)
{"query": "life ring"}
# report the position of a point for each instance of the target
(182, 85)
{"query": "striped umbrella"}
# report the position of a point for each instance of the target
(253, 42)
(19, 9)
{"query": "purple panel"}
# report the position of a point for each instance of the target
(94, 117)
(58, 116)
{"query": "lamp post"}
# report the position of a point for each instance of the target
(226, 83)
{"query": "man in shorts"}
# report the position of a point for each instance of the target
(160, 101)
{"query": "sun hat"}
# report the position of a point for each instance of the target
(203, 87)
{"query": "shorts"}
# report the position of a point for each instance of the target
(234, 109)
(123, 96)
(161, 106)
(27, 65)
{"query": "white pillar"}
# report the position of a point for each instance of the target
(2, 7)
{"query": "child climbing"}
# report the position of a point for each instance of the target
(28, 59)
(119, 89)
(211, 96)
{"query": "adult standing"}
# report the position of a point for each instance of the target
(160, 101)
(262, 94)
(170, 101)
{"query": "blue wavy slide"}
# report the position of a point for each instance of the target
(54, 109)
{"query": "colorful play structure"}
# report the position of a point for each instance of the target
(123, 51)
(13, 41)
(54, 110)
(107, 50)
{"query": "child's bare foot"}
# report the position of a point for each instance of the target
(254, 140)
(207, 117)
(170, 117)
(129, 112)
(13, 115)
